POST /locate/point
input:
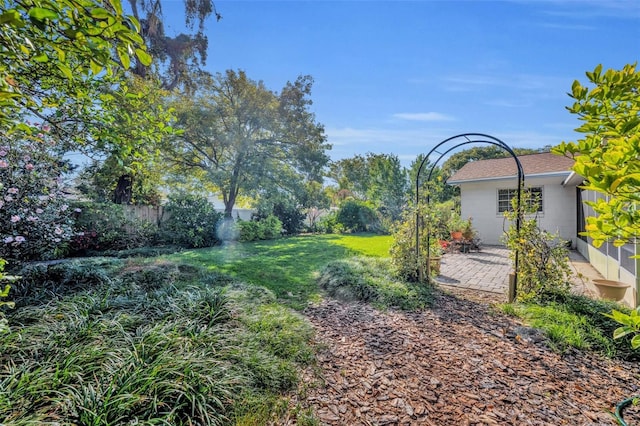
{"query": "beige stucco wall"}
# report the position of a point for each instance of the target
(479, 201)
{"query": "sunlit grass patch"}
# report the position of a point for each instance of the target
(286, 266)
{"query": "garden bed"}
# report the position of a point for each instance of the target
(458, 363)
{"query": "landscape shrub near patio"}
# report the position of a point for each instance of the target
(154, 343)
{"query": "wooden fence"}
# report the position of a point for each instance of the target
(157, 214)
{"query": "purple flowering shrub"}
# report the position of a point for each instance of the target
(35, 219)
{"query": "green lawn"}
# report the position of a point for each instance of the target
(287, 266)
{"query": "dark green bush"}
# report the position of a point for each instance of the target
(105, 226)
(191, 222)
(268, 228)
(357, 216)
(291, 217)
(328, 224)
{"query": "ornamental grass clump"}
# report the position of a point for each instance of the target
(368, 280)
(179, 347)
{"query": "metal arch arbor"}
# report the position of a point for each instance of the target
(458, 141)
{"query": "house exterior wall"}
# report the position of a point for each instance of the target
(614, 263)
(479, 200)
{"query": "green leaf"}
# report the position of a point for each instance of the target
(5, 292)
(100, 13)
(39, 13)
(11, 17)
(65, 70)
(143, 56)
(621, 332)
(42, 57)
(635, 341)
(124, 57)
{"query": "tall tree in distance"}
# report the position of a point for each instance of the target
(177, 59)
(244, 139)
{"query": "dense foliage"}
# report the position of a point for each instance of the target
(191, 221)
(35, 217)
(243, 139)
(543, 258)
(106, 226)
(403, 250)
(378, 179)
(267, 228)
(607, 156)
(357, 216)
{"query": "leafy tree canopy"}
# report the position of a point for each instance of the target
(245, 139)
(608, 156)
(62, 64)
(177, 59)
(377, 178)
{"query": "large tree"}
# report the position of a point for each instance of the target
(608, 156)
(176, 59)
(244, 138)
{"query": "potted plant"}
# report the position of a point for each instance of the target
(435, 257)
(456, 226)
(468, 233)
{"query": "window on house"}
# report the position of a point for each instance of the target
(506, 195)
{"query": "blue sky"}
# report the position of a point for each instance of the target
(400, 76)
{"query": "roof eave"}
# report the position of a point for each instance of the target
(536, 175)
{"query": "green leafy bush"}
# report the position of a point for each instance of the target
(328, 224)
(357, 216)
(287, 212)
(403, 248)
(35, 218)
(105, 226)
(368, 280)
(268, 228)
(543, 258)
(191, 221)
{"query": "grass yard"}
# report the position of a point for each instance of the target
(200, 337)
(287, 266)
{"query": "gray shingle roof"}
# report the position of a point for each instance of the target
(532, 164)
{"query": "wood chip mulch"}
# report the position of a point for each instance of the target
(459, 363)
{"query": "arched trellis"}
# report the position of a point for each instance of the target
(456, 142)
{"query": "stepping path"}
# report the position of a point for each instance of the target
(486, 270)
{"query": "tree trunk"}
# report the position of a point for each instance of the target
(124, 189)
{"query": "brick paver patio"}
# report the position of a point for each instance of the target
(488, 270)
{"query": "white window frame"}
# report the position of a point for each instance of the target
(505, 195)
